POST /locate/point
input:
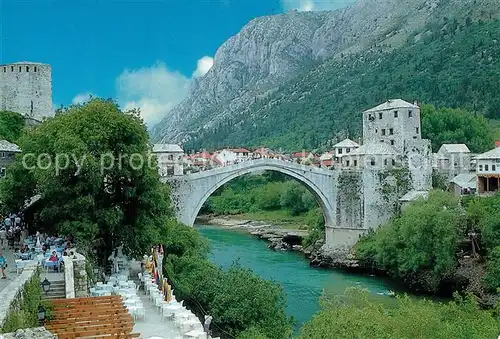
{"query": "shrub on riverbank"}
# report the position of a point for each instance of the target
(354, 316)
(419, 246)
(238, 299)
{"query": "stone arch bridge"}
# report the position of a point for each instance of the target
(190, 191)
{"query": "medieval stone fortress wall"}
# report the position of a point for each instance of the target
(26, 88)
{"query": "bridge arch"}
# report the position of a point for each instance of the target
(312, 178)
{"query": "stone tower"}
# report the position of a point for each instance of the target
(26, 88)
(393, 122)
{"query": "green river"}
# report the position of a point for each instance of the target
(302, 284)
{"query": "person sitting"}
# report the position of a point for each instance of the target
(68, 245)
(54, 257)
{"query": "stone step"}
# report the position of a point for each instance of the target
(55, 296)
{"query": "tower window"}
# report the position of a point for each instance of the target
(380, 115)
(385, 162)
(392, 142)
(20, 69)
(416, 130)
(410, 114)
(383, 131)
(395, 114)
(5, 69)
(376, 130)
(27, 68)
(391, 131)
(12, 68)
(31, 106)
(34, 69)
(393, 162)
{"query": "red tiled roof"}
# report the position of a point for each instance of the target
(328, 163)
(202, 155)
(301, 154)
(497, 143)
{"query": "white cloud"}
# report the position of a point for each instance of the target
(204, 65)
(314, 5)
(156, 90)
(81, 98)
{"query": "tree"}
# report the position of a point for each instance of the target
(448, 126)
(419, 247)
(11, 125)
(96, 180)
(355, 316)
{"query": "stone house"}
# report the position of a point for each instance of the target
(170, 159)
(453, 159)
(488, 171)
(342, 148)
(372, 155)
(7, 153)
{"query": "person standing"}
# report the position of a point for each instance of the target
(3, 264)
(206, 325)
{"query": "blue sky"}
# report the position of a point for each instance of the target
(142, 53)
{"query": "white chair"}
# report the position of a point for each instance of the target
(19, 265)
(140, 312)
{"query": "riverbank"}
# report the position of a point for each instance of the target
(283, 238)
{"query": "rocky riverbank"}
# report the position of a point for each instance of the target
(282, 239)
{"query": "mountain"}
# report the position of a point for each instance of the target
(259, 75)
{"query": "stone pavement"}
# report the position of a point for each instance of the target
(11, 268)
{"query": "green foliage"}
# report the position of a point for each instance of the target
(24, 313)
(439, 180)
(448, 67)
(11, 126)
(100, 194)
(266, 192)
(361, 318)
(418, 247)
(451, 126)
(492, 277)
(316, 227)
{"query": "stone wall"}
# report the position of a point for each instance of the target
(29, 333)
(13, 291)
(75, 275)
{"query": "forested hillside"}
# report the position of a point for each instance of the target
(453, 64)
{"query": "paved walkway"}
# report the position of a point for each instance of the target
(11, 268)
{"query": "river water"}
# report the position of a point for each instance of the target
(302, 284)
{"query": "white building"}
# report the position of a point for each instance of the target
(394, 122)
(453, 159)
(488, 171)
(344, 147)
(170, 159)
(7, 153)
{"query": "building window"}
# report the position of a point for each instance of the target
(34, 70)
(371, 117)
(170, 157)
(2, 154)
(2, 172)
(410, 114)
(391, 131)
(393, 162)
(31, 106)
(372, 161)
(12, 68)
(385, 162)
(347, 163)
(395, 114)
(355, 163)
(480, 168)
(348, 150)
(416, 130)
(493, 168)
(340, 150)
(392, 142)
(486, 167)
(383, 131)
(380, 116)
(20, 69)
(376, 131)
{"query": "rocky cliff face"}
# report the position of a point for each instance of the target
(269, 51)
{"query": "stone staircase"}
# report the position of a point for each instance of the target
(57, 290)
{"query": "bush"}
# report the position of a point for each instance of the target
(361, 318)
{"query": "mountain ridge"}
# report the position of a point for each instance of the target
(271, 51)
